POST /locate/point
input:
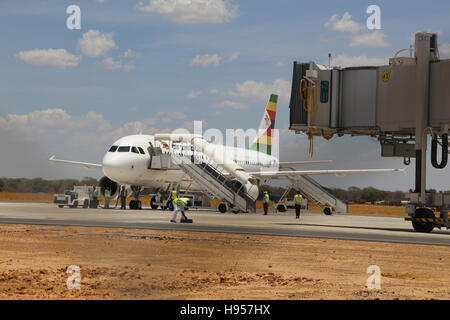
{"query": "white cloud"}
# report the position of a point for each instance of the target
(280, 62)
(372, 39)
(214, 91)
(444, 50)
(357, 61)
(234, 56)
(232, 105)
(193, 95)
(343, 24)
(95, 44)
(205, 60)
(58, 58)
(169, 116)
(131, 54)
(111, 64)
(261, 91)
(191, 11)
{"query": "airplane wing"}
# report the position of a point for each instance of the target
(285, 174)
(302, 163)
(84, 164)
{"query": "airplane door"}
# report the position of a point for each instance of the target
(158, 159)
(150, 152)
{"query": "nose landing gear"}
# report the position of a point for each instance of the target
(136, 204)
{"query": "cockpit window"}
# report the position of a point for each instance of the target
(113, 149)
(124, 149)
(141, 150)
(134, 150)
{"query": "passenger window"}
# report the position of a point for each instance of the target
(134, 150)
(141, 150)
(113, 149)
(123, 149)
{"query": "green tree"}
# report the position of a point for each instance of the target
(371, 194)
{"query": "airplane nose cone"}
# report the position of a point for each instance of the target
(114, 166)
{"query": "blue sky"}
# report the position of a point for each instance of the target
(244, 51)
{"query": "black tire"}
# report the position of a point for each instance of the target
(132, 204)
(60, 206)
(328, 211)
(170, 206)
(154, 207)
(424, 227)
(222, 208)
(74, 205)
(86, 204)
(281, 208)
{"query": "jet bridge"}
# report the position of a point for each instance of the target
(400, 104)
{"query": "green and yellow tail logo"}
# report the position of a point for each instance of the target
(263, 142)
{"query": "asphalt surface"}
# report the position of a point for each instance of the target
(311, 225)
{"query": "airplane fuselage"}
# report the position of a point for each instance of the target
(127, 162)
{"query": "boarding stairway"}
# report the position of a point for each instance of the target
(216, 182)
(314, 192)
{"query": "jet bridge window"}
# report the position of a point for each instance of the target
(324, 89)
(134, 150)
(113, 149)
(123, 149)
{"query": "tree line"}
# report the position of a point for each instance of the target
(39, 185)
(352, 194)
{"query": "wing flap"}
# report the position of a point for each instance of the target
(302, 163)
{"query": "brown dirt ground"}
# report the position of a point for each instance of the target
(145, 264)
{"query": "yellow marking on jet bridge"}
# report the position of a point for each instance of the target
(386, 76)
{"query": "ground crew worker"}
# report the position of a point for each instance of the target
(123, 198)
(298, 204)
(95, 195)
(178, 205)
(107, 198)
(173, 196)
(266, 201)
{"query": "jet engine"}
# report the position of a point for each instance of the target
(105, 182)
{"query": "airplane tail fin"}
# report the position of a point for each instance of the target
(263, 142)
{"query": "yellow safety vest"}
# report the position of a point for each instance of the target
(298, 199)
(266, 198)
(173, 194)
(181, 201)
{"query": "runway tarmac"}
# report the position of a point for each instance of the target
(311, 225)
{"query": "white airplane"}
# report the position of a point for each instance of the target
(130, 161)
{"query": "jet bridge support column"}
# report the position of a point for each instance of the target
(423, 53)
